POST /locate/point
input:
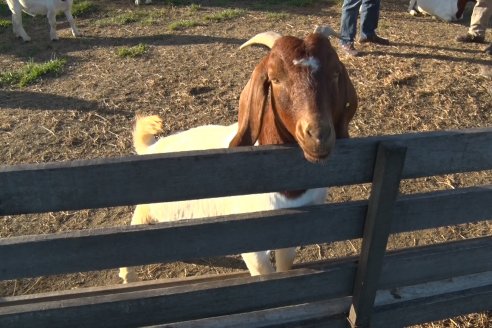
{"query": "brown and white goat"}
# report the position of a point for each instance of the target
(299, 93)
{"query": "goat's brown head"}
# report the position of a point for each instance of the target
(311, 98)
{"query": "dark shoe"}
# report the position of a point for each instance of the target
(468, 38)
(350, 49)
(488, 50)
(375, 39)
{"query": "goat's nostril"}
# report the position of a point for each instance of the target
(315, 135)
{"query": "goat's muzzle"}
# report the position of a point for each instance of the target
(316, 140)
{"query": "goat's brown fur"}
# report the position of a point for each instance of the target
(323, 98)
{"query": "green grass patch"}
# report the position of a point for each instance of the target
(277, 16)
(178, 2)
(31, 72)
(225, 15)
(183, 24)
(294, 3)
(302, 3)
(5, 23)
(194, 8)
(132, 52)
(121, 19)
(154, 16)
(223, 2)
(83, 8)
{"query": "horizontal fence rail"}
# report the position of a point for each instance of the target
(434, 301)
(192, 301)
(167, 177)
(96, 249)
(413, 285)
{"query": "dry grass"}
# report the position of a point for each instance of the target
(194, 75)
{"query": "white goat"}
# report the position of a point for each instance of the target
(210, 137)
(41, 7)
(447, 10)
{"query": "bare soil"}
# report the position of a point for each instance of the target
(423, 81)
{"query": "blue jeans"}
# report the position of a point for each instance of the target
(369, 17)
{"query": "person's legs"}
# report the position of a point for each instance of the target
(348, 26)
(480, 18)
(482, 11)
(369, 17)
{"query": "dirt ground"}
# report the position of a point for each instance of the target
(193, 76)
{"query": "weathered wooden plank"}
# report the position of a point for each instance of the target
(437, 262)
(402, 267)
(134, 245)
(329, 312)
(146, 179)
(179, 303)
(377, 227)
(115, 289)
(156, 302)
(433, 301)
(30, 256)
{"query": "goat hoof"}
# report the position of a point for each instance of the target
(24, 38)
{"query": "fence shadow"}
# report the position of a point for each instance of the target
(447, 58)
(64, 46)
(45, 101)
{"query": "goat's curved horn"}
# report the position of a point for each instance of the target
(326, 31)
(265, 38)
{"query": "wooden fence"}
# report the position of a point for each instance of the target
(378, 289)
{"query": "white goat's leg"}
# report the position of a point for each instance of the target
(17, 27)
(284, 258)
(71, 21)
(128, 275)
(140, 216)
(52, 21)
(258, 263)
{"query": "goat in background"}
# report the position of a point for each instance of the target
(41, 7)
(447, 10)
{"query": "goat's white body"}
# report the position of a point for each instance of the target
(199, 138)
(214, 137)
(202, 208)
(443, 9)
(40, 7)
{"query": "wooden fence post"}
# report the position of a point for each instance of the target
(385, 187)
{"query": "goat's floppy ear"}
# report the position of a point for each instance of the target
(252, 105)
(348, 104)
